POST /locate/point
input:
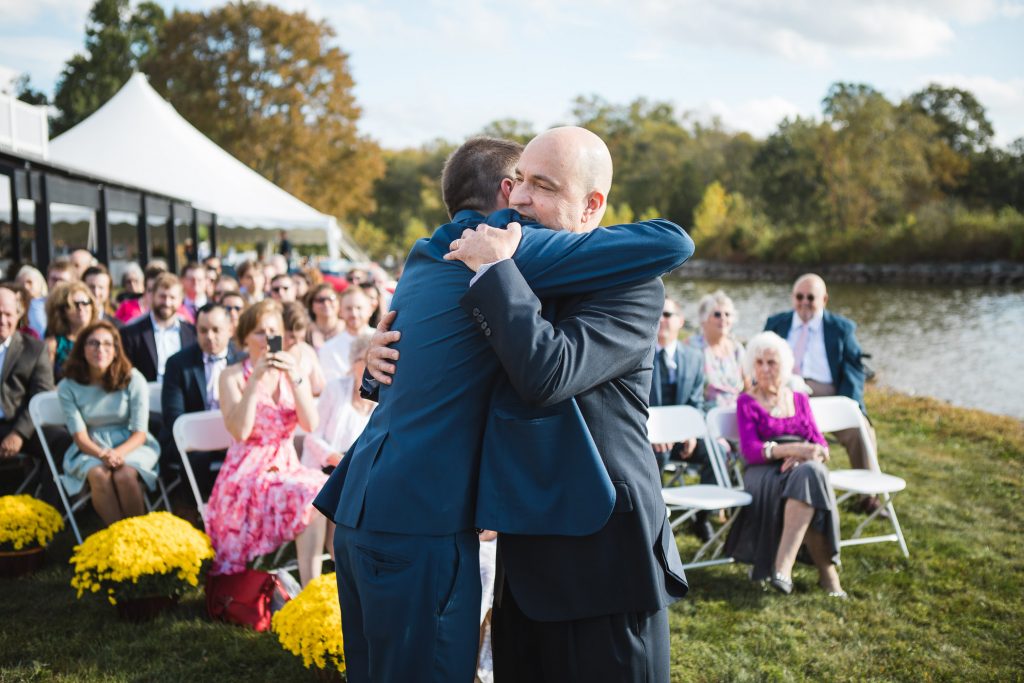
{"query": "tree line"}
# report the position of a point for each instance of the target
(869, 180)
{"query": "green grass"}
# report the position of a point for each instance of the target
(953, 611)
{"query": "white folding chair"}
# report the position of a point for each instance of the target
(45, 411)
(834, 413)
(672, 424)
(193, 432)
(156, 406)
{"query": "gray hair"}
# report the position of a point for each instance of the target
(769, 341)
(32, 273)
(131, 269)
(716, 299)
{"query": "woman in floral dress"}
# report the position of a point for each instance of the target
(263, 495)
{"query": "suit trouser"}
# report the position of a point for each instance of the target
(58, 440)
(410, 605)
(849, 438)
(617, 648)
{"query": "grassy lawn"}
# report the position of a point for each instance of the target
(953, 611)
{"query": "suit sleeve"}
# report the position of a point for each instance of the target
(40, 380)
(172, 398)
(607, 335)
(557, 263)
(852, 382)
(696, 397)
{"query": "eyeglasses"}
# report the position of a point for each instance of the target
(84, 303)
(96, 344)
(325, 299)
(800, 296)
(667, 314)
(232, 309)
(722, 314)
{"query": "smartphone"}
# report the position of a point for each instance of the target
(274, 344)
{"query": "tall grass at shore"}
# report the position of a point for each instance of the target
(953, 611)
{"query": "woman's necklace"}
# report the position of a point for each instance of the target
(774, 403)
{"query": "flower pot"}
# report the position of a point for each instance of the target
(327, 675)
(19, 562)
(144, 609)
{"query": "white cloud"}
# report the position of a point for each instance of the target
(25, 11)
(41, 56)
(7, 77)
(759, 117)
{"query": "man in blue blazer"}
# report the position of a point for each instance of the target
(404, 497)
(826, 354)
(190, 386)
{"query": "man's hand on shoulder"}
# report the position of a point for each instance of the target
(485, 245)
(379, 355)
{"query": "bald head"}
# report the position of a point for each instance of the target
(809, 296)
(563, 179)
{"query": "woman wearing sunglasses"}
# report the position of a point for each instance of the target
(69, 309)
(723, 355)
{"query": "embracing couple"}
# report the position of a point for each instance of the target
(518, 404)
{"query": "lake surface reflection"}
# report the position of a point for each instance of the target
(961, 344)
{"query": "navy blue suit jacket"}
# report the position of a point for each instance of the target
(689, 379)
(597, 355)
(184, 389)
(414, 469)
(140, 344)
(841, 348)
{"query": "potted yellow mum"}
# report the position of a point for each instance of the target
(309, 625)
(27, 526)
(142, 564)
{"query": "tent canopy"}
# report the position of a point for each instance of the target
(137, 138)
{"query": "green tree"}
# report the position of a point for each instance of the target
(510, 129)
(410, 189)
(24, 91)
(118, 41)
(268, 86)
(960, 118)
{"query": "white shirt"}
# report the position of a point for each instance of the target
(3, 357)
(339, 426)
(670, 359)
(212, 367)
(815, 362)
(168, 343)
(334, 355)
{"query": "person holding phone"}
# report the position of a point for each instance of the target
(262, 497)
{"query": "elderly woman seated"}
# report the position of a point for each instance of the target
(794, 504)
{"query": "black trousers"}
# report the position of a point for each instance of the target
(617, 648)
(58, 440)
(698, 458)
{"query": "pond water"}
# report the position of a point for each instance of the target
(961, 344)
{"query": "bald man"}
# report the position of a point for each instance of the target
(404, 498)
(826, 354)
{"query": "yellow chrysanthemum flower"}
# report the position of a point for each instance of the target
(310, 625)
(27, 522)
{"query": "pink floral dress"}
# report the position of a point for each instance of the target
(262, 497)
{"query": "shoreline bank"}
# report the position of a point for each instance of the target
(996, 273)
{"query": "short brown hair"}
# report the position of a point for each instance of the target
(76, 367)
(250, 318)
(473, 173)
(57, 324)
(295, 317)
(61, 265)
(166, 280)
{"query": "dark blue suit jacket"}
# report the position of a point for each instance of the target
(414, 469)
(184, 389)
(841, 348)
(600, 351)
(689, 379)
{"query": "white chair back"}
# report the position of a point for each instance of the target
(834, 413)
(672, 424)
(203, 431)
(721, 423)
(45, 411)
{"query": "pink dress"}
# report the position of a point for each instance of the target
(262, 497)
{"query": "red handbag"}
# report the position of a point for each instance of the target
(249, 598)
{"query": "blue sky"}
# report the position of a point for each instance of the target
(442, 68)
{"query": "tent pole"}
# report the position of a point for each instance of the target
(103, 230)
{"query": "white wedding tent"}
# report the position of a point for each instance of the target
(137, 138)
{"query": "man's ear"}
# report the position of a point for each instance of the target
(594, 206)
(505, 191)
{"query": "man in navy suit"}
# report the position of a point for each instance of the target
(404, 498)
(190, 386)
(826, 354)
(152, 339)
(678, 380)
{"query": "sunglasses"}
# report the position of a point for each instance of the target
(232, 309)
(283, 288)
(801, 296)
(722, 314)
(79, 304)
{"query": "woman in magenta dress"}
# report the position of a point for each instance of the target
(262, 497)
(794, 505)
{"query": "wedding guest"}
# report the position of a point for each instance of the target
(794, 504)
(69, 309)
(723, 355)
(234, 304)
(193, 283)
(252, 281)
(155, 337)
(262, 497)
(60, 270)
(355, 314)
(35, 285)
(296, 329)
(133, 283)
(24, 301)
(106, 409)
(282, 288)
(81, 260)
(131, 309)
(224, 284)
(97, 279)
(378, 309)
(322, 302)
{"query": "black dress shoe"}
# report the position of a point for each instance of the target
(702, 528)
